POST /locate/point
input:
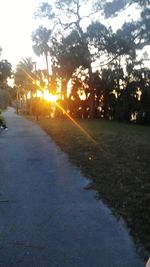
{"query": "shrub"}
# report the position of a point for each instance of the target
(4, 99)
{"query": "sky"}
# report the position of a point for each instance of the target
(17, 24)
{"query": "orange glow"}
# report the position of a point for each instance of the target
(29, 95)
(38, 94)
(49, 97)
(69, 88)
(53, 98)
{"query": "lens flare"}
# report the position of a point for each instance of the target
(77, 124)
(53, 98)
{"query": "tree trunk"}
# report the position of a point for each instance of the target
(17, 102)
(92, 95)
(30, 103)
(64, 89)
(47, 67)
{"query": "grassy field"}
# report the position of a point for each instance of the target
(118, 166)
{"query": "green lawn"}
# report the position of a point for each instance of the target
(118, 166)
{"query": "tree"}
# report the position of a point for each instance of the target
(112, 8)
(67, 26)
(5, 71)
(67, 20)
(41, 38)
(74, 46)
(142, 77)
(67, 56)
(141, 26)
(24, 80)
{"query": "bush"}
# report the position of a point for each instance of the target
(40, 107)
(4, 99)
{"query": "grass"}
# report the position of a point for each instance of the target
(118, 166)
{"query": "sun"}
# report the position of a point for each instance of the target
(49, 97)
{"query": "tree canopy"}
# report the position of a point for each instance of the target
(99, 63)
(5, 73)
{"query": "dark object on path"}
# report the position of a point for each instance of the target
(3, 124)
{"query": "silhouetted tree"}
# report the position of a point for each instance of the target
(117, 90)
(24, 81)
(40, 38)
(67, 14)
(5, 71)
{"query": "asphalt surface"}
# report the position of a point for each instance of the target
(47, 218)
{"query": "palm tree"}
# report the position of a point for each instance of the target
(41, 38)
(24, 77)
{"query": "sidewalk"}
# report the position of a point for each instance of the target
(48, 219)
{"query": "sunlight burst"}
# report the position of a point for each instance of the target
(49, 97)
(44, 94)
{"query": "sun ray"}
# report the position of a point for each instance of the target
(33, 80)
(77, 125)
(54, 100)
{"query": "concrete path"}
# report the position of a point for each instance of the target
(47, 218)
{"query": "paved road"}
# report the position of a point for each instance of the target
(47, 218)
